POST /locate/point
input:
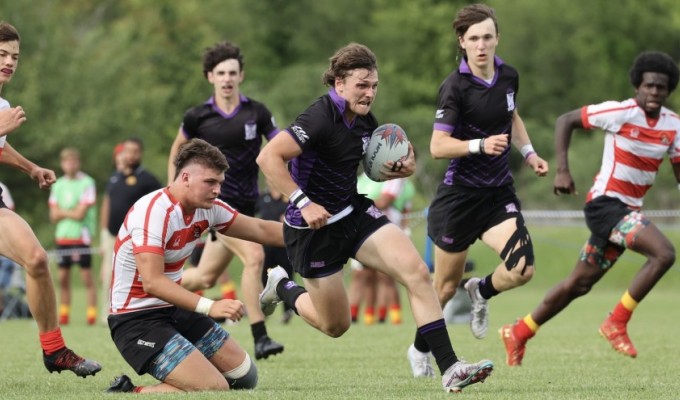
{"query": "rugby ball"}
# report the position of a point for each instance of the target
(387, 143)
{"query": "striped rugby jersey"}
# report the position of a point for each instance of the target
(157, 224)
(634, 148)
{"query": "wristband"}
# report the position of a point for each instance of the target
(203, 306)
(304, 202)
(475, 146)
(527, 150)
(294, 196)
(299, 199)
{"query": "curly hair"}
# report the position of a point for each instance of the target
(220, 52)
(654, 61)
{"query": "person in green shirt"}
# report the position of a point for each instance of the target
(72, 209)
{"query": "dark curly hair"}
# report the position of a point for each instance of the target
(221, 52)
(654, 61)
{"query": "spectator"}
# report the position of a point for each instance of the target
(72, 208)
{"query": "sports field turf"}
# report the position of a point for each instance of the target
(566, 360)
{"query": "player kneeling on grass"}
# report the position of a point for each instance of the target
(639, 131)
(159, 327)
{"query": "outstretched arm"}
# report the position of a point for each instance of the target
(564, 127)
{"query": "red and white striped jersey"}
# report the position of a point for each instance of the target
(634, 148)
(156, 223)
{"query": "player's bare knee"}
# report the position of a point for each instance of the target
(336, 329)
(666, 258)
(445, 291)
(37, 263)
(523, 274)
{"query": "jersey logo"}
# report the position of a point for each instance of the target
(365, 139)
(510, 97)
(439, 114)
(300, 133)
(251, 131)
(511, 208)
(374, 212)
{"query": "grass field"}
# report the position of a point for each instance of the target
(566, 360)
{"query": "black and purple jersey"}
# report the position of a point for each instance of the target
(238, 136)
(471, 108)
(332, 149)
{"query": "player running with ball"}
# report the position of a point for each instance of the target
(327, 221)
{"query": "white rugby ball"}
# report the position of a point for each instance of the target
(387, 143)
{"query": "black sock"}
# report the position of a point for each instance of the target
(437, 338)
(288, 292)
(486, 288)
(258, 329)
(420, 344)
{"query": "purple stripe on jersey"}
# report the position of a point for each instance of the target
(273, 133)
(341, 104)
(242, 99)
(438, 126)
(464, 68)
(301, 169)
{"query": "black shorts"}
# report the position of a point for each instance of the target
(140, 335)
(70, 254)
(458, 216)
(323, 252)
(602, 214)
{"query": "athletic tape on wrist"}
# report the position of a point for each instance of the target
(475, 146)
(527, 150)
(203, 306)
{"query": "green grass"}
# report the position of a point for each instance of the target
(566, 360)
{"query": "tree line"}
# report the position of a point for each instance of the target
(92, 73)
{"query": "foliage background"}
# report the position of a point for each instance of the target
(95, 72)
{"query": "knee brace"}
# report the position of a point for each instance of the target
(519, 245)
(244, 376)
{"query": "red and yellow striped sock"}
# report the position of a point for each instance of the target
(525, 328)
(228, 290)
(369, 316)
(624, 309)
(91, 315)
(395, 314)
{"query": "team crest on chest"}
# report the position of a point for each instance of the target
(365, 139)
(510, 97)
(251, 130)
